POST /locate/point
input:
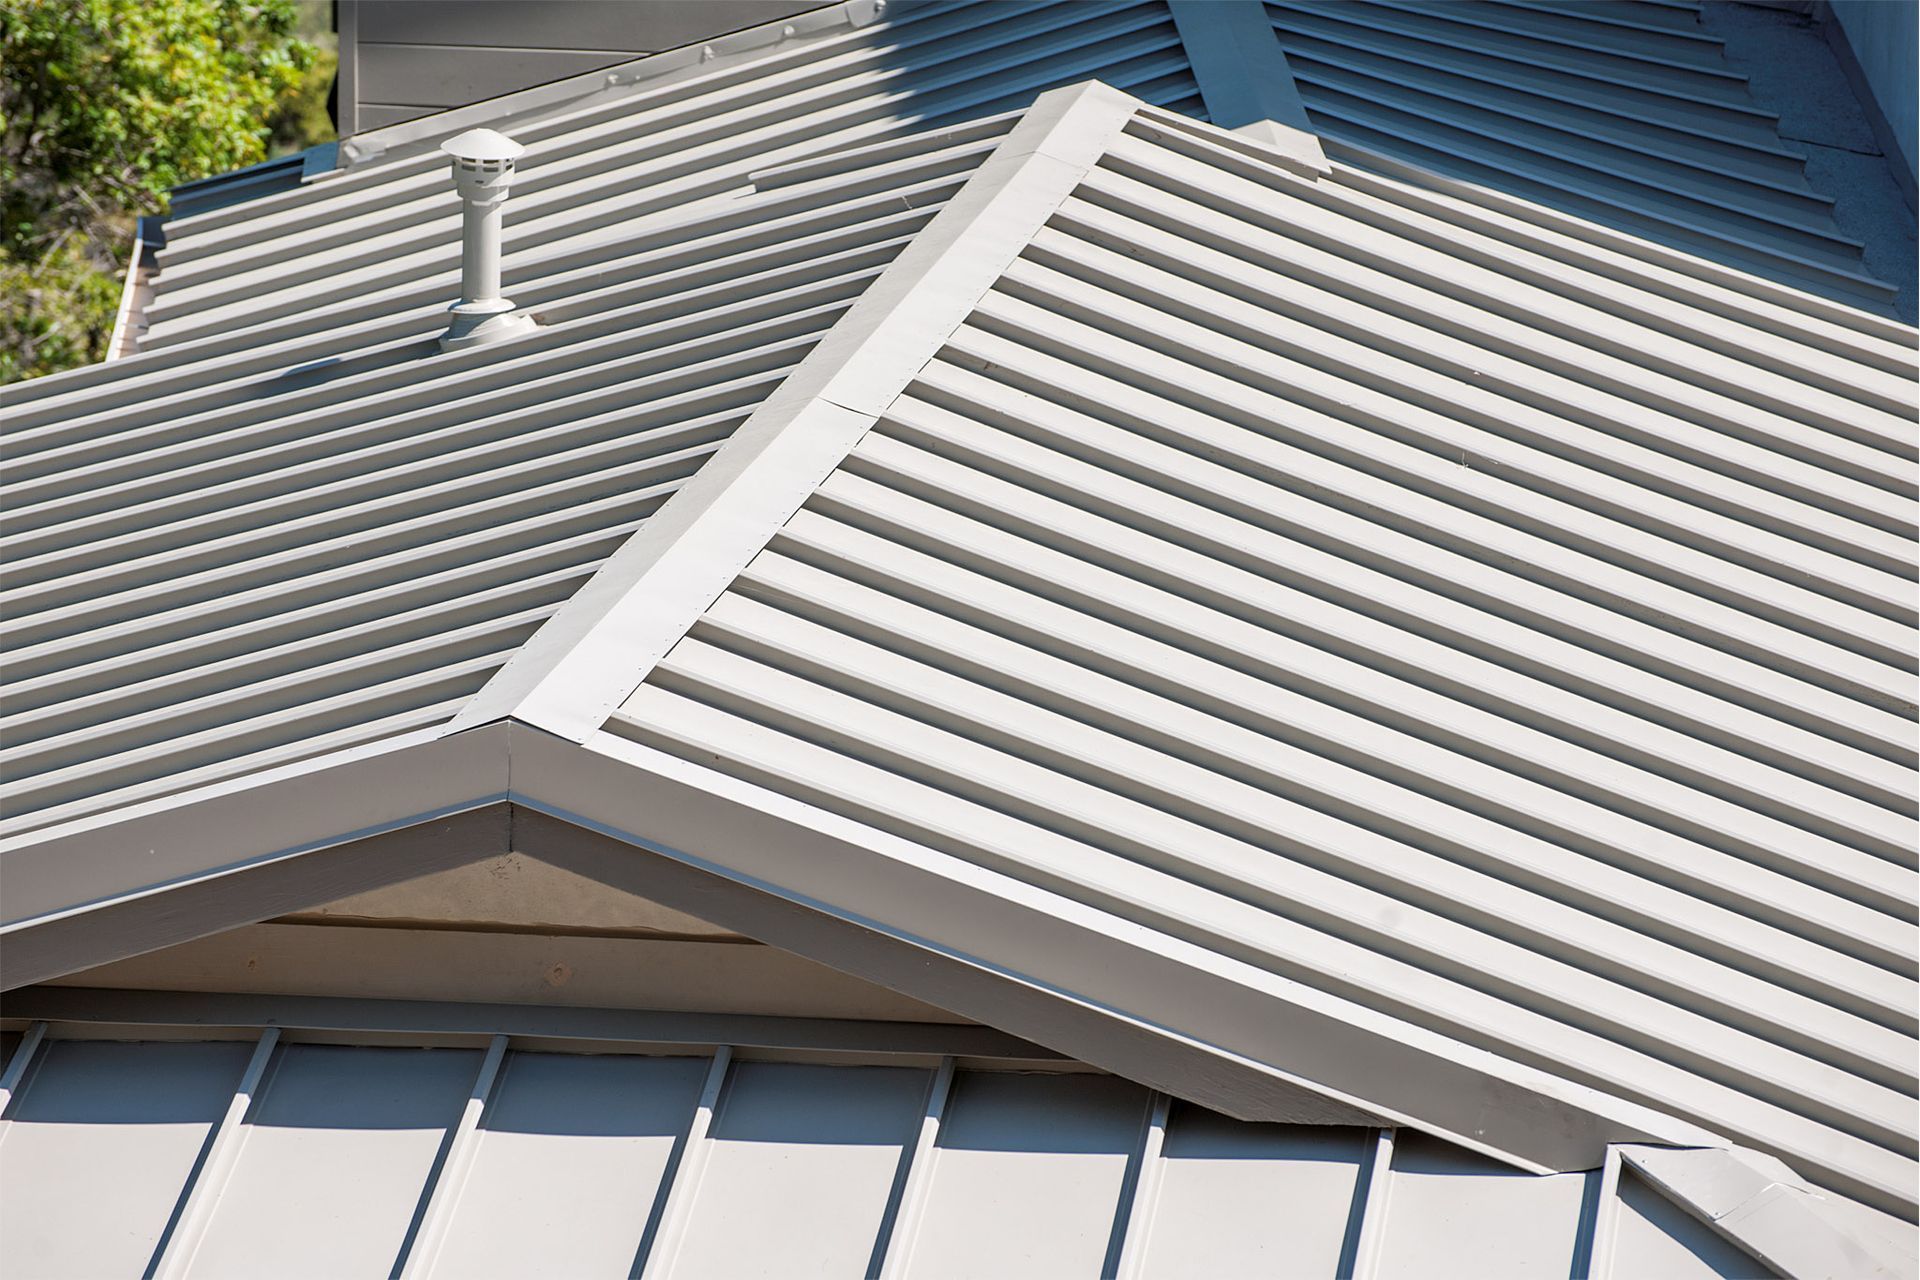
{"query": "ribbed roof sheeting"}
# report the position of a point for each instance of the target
(1507, 631)
(1626, 113)
(222, 561)
(621, 161)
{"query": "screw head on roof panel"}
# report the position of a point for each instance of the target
(482, 174)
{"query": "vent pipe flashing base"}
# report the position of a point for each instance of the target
(482, 173)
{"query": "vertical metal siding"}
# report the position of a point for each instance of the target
(1453, 1215)
(99, 1141)
(573, 1153)
(1042, 1158)
(801, 1164)
(1239, 1199)
(812, 1169)
(340, 1145)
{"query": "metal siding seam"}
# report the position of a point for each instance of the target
(600, 646)
(1606, 1220)
(684, 1180)
(1378, 1176)
(16, 1071)
(1143, 1190)
(920, 1160)
(210, 1178)
(424, 1246)
(1244, 78)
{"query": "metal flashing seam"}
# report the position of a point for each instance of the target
(1244, 78)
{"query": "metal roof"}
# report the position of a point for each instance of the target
(631, 149)
(1278, 567)
(1267, 618)
(1626, 114)
(212, 1158)
(218, 562)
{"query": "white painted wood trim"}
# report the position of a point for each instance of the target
(176, 1257)
(687, 1171)
(1244, 78)
(1378, 1171)
(459, 1163)
(586, 659)
(1148, 1169)
(913, 1197)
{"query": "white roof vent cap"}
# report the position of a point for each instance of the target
(482, 174)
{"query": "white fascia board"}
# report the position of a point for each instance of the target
(600, 645)
(1218, 1009)
(1762, 1208)
(1244, 78)
(106, 887)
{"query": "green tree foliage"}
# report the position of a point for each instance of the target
(104, 105)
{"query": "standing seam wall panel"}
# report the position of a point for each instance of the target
(573, 1155)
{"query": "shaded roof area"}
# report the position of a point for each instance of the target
(637, 148)
(1630, 114)
(231, 554)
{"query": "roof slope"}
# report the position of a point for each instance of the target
(1375, 634)
(1627, 113)
(226, 555)
(633, 149)
(1624, 113)
(1502, 640)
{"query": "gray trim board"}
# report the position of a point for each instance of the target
(35, 950)
(668, 1028)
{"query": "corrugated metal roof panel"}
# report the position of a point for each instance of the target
(1286, 568)
(224, 562)
(351, 1158)
(1627, 114)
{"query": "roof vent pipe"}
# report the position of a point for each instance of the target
(482, 172)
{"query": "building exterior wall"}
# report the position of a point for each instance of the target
(400, 59)
(1882, 35)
